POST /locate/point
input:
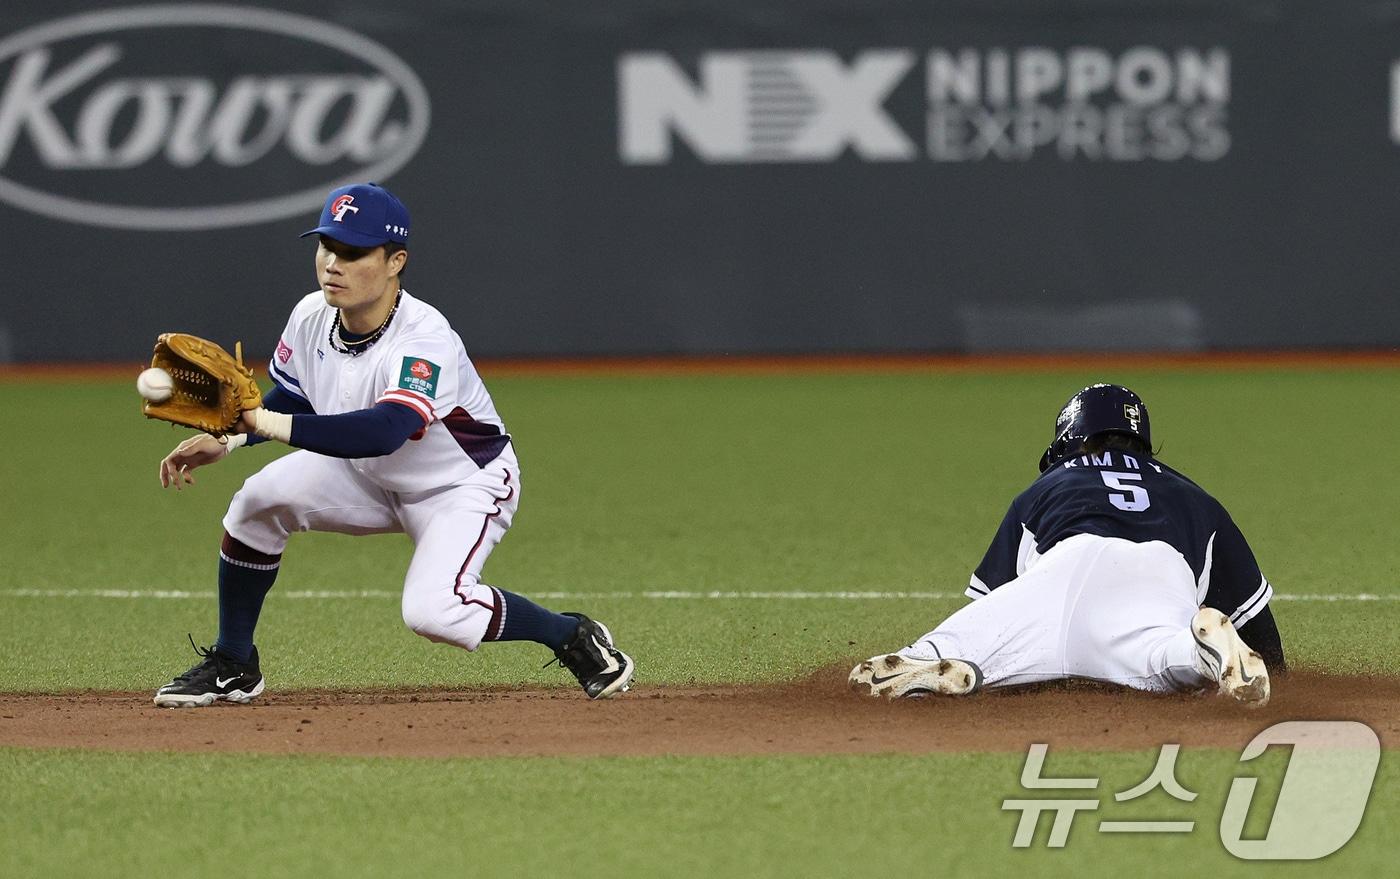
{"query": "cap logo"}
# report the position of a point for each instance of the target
(341, 205)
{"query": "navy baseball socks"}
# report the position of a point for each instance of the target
(245, 578)
(527, 621)
(229, 672)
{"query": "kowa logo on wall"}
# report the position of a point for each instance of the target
(1009, 104)
(197, 116)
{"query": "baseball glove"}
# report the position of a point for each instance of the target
(211, 388)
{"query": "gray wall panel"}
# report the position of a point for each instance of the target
(1265, 218)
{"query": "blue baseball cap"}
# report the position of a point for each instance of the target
(363, 215)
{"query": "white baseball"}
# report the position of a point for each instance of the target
(155, 385)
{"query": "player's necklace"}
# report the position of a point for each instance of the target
(360, 346)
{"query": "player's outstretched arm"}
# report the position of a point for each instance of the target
(196, 451)
(362, 433)
(1261, 633)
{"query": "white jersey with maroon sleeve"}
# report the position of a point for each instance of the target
(419, 363)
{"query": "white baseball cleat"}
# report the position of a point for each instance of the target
(1222, 655)
(894, 676)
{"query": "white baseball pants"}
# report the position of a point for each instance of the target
(1092, 607)
(453, 530)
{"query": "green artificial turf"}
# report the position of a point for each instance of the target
(790, 484)
(118, 815)
(770, 483)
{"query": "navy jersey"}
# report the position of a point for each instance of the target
(1113, 494)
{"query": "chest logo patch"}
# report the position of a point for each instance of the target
(420, 376)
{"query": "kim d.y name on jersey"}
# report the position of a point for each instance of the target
(1105, 460)
(420, 376)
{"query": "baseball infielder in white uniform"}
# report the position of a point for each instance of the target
(396, 433)
(1111, 566)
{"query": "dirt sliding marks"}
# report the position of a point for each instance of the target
(816, 715)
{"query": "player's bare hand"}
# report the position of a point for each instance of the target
(246, 423)
(194, 452)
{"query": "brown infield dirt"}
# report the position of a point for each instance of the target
(816, 715)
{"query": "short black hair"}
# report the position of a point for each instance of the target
(1121, 442)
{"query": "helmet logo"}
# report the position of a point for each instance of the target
(1134, 416)
(1070, 412)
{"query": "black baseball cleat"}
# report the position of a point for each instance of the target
(601, 668)
(218, 677)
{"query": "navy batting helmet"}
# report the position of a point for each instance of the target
(1097, 409)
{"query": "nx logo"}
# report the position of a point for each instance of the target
(763, 106)
(999, 103)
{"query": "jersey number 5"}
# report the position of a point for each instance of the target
(1134, 498)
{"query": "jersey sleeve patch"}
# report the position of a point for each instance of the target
(412, 400)
(420, 376)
